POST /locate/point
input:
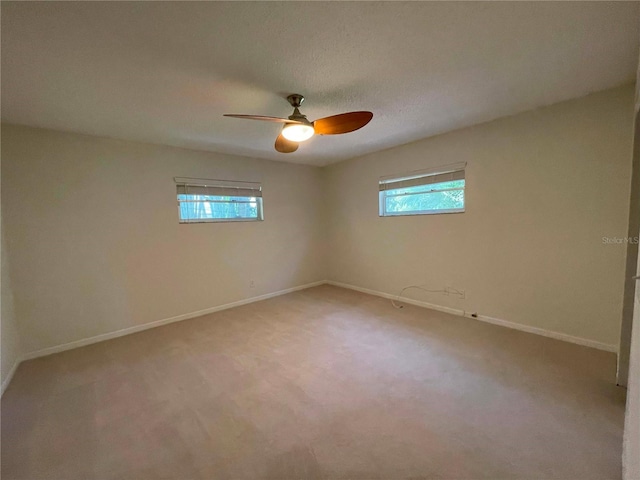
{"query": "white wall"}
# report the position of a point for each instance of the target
(543, 188)
(95, 245)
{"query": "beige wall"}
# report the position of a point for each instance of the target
(631, 443)
(95, 245)
(543, 188)
(630, 337)
(9, 338)
(633, 229)
(10, 350)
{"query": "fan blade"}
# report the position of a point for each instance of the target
(343, 123)
(261, 117)
(285, 146)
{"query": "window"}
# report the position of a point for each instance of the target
(201, 201)
(438, 190)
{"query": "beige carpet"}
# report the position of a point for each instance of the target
(322, 383)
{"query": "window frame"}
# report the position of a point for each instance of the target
(430, 177)
(221, 185)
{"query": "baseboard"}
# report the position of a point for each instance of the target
(157, 323)
(483, 318)
(549, 333)
(7, 380)
(139, 328)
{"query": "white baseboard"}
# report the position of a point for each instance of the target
(157, 323)
(483, 318)
(5, 384)
(139, 328)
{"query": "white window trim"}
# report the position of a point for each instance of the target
(417, 174)
(224, 184)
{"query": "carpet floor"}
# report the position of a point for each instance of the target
(324, 383)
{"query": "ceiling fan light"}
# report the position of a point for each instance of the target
(297, 132)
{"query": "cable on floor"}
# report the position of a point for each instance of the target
(420, 287)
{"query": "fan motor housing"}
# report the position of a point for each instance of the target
(295, 99)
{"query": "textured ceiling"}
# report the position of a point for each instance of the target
(165, 72)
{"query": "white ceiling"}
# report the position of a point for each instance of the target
(165, 72)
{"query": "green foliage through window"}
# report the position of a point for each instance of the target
(203, 208)
(442, 197)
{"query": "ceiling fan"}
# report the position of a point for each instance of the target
(298, 129)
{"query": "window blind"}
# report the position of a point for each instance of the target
(454, 172)
(222, 188)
